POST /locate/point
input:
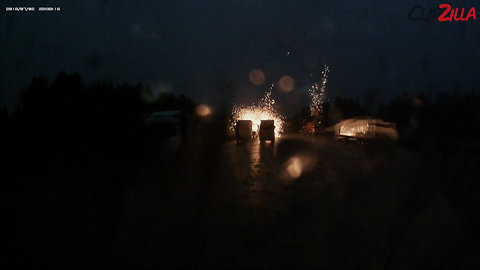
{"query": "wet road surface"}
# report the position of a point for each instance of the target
(302, 202)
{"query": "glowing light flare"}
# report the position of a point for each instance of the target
(294, 167)
(203, 110)
(286, 83)
(256, 76)
(297, 165)
(264, 110)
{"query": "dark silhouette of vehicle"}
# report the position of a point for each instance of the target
(243, 130)
(267, 131)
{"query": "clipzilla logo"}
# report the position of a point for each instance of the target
(443, 13)
(449, 14)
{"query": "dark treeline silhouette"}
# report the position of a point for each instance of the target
(70, 151)
(447, 117)
(345, 107)
(168, 101)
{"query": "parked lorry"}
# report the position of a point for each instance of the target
(365, 128)
(267, 131)
(243, 130)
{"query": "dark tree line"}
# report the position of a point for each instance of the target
(444, 116)
(74, 120)
(70, 152)
(345, 107)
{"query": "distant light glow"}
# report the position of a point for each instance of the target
(256, 76)
(203, 110)
(286, 83)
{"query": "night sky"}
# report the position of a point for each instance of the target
(194, 47)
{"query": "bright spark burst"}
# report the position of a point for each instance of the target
(264, 110)
(317, 96)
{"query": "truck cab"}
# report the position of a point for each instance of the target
(267, 131)
(243, 130)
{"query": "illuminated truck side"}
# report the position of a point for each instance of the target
(365, 128)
